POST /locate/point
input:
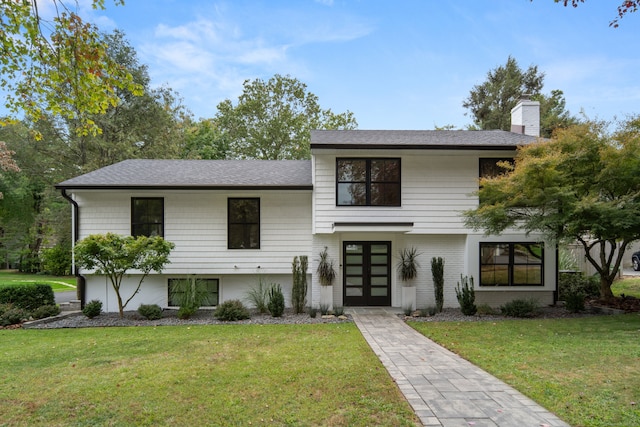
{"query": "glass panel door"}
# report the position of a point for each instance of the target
(367, 273)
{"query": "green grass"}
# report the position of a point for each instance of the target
(629, 286)
(294, 375)
(58, 283)
(586, 370)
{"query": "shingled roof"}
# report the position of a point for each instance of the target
(203, 174)
(419, 139)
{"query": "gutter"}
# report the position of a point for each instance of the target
(80, 280)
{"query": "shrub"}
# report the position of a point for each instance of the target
(466, 296)
(428, 311)
(92, 309)
(437, 271)
(324, 309)
(486, 309)
(45, 311)
(521, 308)
(313, 312)
(4, 307)
(574, 302)
(150, 311)
(57, 260)
(572, 283)
(186, 311)
(231, 310)
(299, 288)
(28, 297)
(13, 316)
(276, 301)
(338, 310)
(259, 297)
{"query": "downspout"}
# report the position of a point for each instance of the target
(80, 280)
(555, 291)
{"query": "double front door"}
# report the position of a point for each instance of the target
(367, 273)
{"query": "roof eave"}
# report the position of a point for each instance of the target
(413, 147)
(182, 187)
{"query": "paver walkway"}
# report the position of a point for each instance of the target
(443, 388)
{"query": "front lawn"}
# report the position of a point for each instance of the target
(58, 283)
(197, 375)
(629, 286)
(585, 370)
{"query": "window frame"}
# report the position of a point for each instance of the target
(368, 182)
(245, 224)
(512, 264)
(193, 281)
(493, 161)
(135, 225)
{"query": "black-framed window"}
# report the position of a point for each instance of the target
(368, 182)
(183, 291)
(244, 223)
(147, 216)
(511, 264)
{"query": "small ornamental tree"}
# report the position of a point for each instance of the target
(437, 271)
(583, 185)
(299, 289)
(113, 255)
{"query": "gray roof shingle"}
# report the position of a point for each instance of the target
(419, 139)
(264, 174)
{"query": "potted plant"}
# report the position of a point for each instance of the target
(326, 274)
(408, 271)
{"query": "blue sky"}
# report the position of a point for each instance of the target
(402, 64)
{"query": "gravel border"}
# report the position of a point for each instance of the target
(170, 318)
(205, 317)
(455, 315)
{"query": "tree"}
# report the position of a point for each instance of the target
(59, 67)
(583, 185)
(273, 120)
(553, 114)
(490, 103)
(627, 6)
(144, 124)
(203, 140)
(113, 255)
(6, 161)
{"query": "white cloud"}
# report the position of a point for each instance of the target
(207, 59)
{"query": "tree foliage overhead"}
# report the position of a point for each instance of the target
(490, 103)
(626, 6)
(273, 120)
(57, 67)
(32, 215)
(583, 185)
(114, 255)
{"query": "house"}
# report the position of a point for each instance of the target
(364, 196)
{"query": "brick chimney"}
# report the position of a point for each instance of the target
(525, 117)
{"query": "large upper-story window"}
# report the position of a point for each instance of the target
(244, 223)
(147, 216)
(368, 182)
(511, 264)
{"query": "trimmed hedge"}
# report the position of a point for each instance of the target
(28, 297)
